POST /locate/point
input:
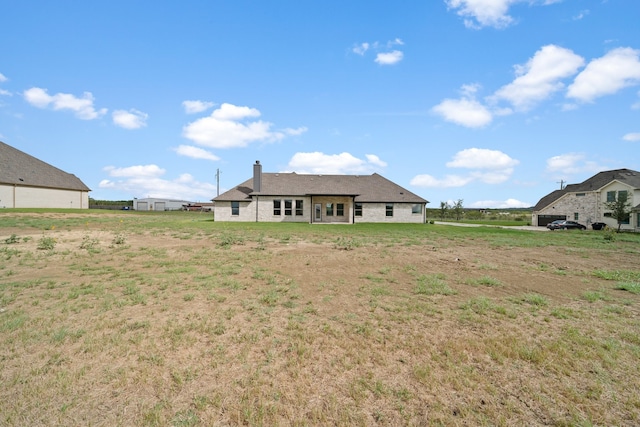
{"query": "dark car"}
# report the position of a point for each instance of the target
(561, 224)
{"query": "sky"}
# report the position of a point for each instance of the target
(492, 102)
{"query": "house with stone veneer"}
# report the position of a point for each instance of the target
(27, 182)
(585, 202)
(314, 198)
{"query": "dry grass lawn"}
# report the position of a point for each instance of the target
(111, 319)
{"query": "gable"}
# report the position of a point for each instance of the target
(364, 188)
(19, 168)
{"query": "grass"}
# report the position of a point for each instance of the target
(172, 319)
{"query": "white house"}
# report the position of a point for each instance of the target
(292, 197)
(157, 204)
(585, 202)
(26, 182)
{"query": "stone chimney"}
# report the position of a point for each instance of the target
(257, 177)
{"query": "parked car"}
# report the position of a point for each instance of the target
(598, 225)
(561, 224)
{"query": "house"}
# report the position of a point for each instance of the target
(292, 197)
(158, 204)
(26, 182)
(585, 202)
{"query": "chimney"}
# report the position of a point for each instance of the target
(257, 177)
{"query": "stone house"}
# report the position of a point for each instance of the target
(585, 202)
(310, 198)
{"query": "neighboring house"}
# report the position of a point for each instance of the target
(585, 202)
(292, 197)
(157, 204)
(26, 182)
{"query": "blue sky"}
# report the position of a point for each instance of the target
(490, 101)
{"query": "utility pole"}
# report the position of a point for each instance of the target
(218, 182)
(562, 184)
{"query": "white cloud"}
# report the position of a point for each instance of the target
(5, 92)
(3, 78)
(196, 153)
(382, 58)
(375, 160)
(465, 112)
(483, 13)
(191, 107)
(389, 58)
(132, 119)
(488, 13)
(581, 15)
(82, 107)
(448, 181)
(361, 48)
(632, 137)
(617, 69)
(487, 166)
(139, 171)
(481, 158)
(334, 164)
(228, 127)
(540, 76)
(500, 204)
(145, 181)
(563, 165)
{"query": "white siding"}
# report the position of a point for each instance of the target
(34, 197)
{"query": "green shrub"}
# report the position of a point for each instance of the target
(46, 243)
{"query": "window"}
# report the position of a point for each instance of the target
(389, 209)
(329, 209)
(626, 219)
(607, 215)
(575, 216)
(288, 205)
(611, 196)
(580, 194)
(235, 208)
(358, 209)
(622, 195)
(340, 209)
(416, 209)
(299, 208)
(276, 208)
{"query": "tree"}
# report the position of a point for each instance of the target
(620, 208)
(444, 209)
(458, 209)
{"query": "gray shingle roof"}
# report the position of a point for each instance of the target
(19, 168)
(596, 182)
(365, 188)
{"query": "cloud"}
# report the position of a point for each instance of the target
(361, 48)
(567, 164)
(132, 119)
(483, 13)
(617, 69)
(229, 127)
(632, 137)
(540, 76)
(196, 153)
(486, 166)
(488, 13)
(448, 181)
(500, 204)
(466, 112)
(382, 58)
(146, 181)
(389, 58)
(2, 80)
(581, 15)
(191, 107)
(481, 158)
(140, 171)
(334, 164)
(82, 107)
